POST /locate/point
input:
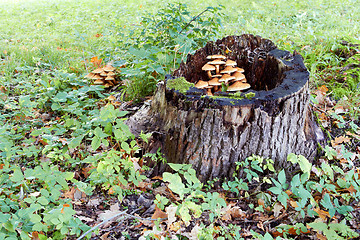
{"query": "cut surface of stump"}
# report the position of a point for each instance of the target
(213, 133)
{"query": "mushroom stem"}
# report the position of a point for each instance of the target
(209, 74)
(217, 69)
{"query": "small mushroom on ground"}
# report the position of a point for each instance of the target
(215, 82)
(238, 86)
(99, 82)
(217, 63)
(89, 75)
(201, 84)
(208, 90)
(240, 69)
(108, 68)
(239, 76)
(230, 62)
(228, 70)
(98, 70)
(218, 56)
(208, 68)
(226, 78)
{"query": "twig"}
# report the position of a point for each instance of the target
(103, 222)
(193, 20)
(115, 216)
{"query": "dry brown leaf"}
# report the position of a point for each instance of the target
(293, 204)
(320, 236)
(277, 209)
(159, 213)
(86, 219)
(35, 235)
(237, 212)
(261, 202)
(351, 189)
(175, 226)
(107, 214)
(171, 214)
(322, 214)
(339, 140)
(323, 89)
(105, 236)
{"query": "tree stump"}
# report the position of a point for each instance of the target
(212, 133)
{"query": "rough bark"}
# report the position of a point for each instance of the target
(214, 133)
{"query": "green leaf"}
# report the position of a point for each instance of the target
(305, 165)
(99, 132)
(95, 143)
(282, 177)
(283, 197)
(35, 218)
(320, 226)
(275, 190)
(75, 142)
(176, 184)
(17, 176)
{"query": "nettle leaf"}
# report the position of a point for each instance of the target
(99, 132)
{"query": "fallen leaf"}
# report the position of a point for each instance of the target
(171, 214)
(277, 209)
(322, 214)
(323, 89)
(293, 204)
(96, 61)
(105, 236)
(351, 189)
(35, 235)
(107, 214)
(320, 236)
(158, 214)
(339, 140)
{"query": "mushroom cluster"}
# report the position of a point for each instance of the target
(222, 72)
(103, 76)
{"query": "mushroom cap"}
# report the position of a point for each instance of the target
(216, 62)
(214, 82)
(98, 82)
(238, 76)
(201, 84)
(208, 67)
(228, 69)
(96, 76)
(244, 80)
(216, 56)
(238, 86)
(230, 62)
(89, 75)
(109, 78)
(103, 74)
(111, 98)
(98, 70)
(240, 69)
(226, 77)
(217, 76)
(111, 74)
(108, 68)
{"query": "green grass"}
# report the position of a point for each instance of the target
(55, 123)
